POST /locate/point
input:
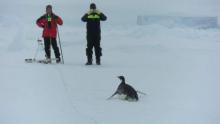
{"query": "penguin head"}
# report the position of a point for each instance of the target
(122, 78)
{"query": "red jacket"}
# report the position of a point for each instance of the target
(49, 24)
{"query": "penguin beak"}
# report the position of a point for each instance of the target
(119, 77)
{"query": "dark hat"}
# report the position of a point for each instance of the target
(92, 6)
(49, 6)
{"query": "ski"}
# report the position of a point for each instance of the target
(43, 61)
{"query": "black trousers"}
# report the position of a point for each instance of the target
(93, 42)
(47, 44)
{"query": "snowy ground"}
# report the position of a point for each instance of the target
(177, 67)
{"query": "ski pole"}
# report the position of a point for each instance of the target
(60, 45)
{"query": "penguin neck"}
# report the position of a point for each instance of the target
(123, 81)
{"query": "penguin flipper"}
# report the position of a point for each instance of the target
(112, 95)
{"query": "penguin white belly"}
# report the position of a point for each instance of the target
(122, 96)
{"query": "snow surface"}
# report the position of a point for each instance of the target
(177, 67)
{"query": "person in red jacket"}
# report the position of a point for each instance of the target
(49, 23)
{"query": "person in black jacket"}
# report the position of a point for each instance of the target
(93, 18)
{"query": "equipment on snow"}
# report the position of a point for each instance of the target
(43, 61)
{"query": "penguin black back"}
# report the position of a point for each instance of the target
(130, 92)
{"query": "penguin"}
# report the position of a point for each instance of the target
(125, 89)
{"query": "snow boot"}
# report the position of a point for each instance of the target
(98, 61)
(58, 60)
(89, 62)
(48, 60)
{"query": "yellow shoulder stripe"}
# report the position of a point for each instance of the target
(93, 16)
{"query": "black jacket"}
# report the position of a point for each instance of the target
(93, 18)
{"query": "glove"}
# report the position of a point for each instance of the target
(93, 11)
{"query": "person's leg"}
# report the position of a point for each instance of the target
(55, 48)
(89, 51)
(47, 47)
(98, 50)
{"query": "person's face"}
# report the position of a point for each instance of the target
(48, 10)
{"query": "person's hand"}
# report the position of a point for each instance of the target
(93, 11)
(97, 11)
(42, 25)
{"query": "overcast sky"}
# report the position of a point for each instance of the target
(116, 9)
